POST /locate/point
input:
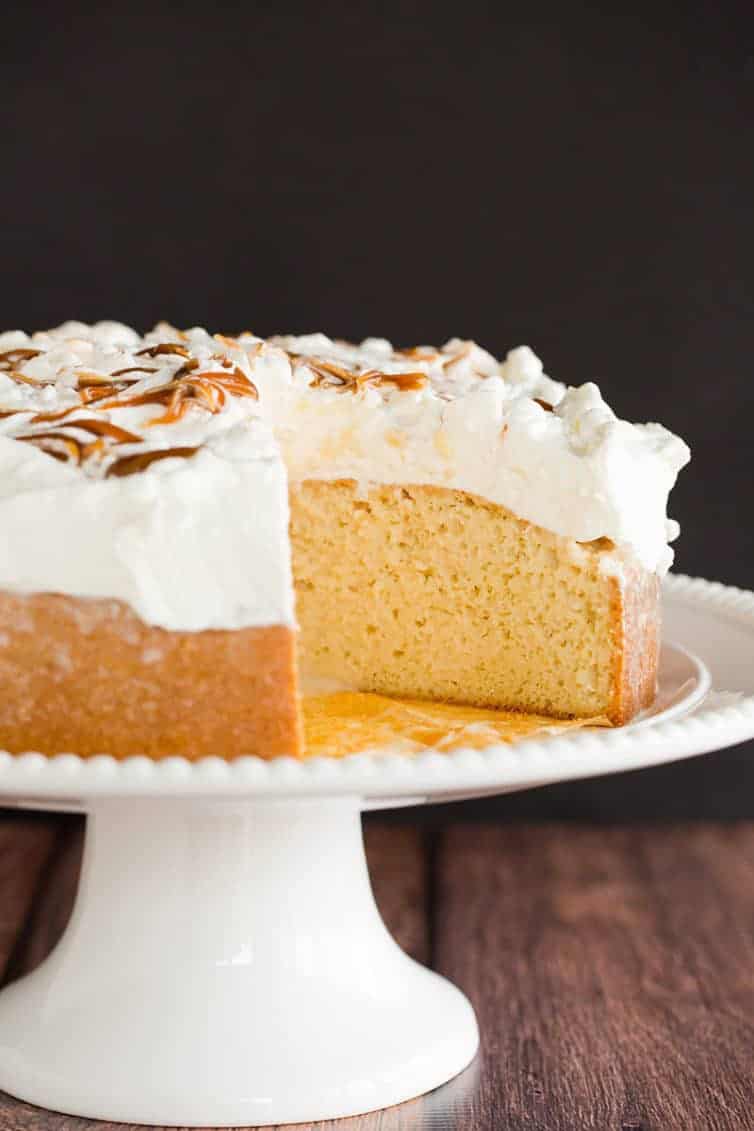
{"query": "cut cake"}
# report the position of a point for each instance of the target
(460, 529)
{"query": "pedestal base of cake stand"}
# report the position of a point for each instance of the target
(226, 965)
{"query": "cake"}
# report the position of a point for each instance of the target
(146, 601)
(469, 531)
(187, 518)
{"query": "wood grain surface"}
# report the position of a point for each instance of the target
(612, 970)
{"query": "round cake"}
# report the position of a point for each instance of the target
(195, 525)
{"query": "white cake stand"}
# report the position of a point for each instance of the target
(226, 964)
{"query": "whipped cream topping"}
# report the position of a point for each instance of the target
(456, 417)
(154, 469)
(142, 470)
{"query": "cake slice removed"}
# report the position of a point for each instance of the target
(467, 530)
(458, 529)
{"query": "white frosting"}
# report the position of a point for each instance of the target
(473, 425)
(199, 540)
(189, 543)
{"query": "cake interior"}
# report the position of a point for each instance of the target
(418, 593)
(172, 629)
(431, 593)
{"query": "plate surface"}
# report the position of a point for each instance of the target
(706, 702)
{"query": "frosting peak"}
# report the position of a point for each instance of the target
(149, 472)
(454, 416)
(157, 466)
(111, 403)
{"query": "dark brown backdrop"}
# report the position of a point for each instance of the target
(575, 180)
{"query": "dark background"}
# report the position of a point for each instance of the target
(571, 178)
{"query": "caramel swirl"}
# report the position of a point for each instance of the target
(208, 390)
(68, 435)
(22, 379)
(133, 369)
(13, 357)
(63, 444)
(131, 465)
(58, 445)
(106, 428)
(416, 353)
(328, 374)
(164, 348)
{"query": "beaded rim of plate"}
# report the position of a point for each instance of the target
(528, 762)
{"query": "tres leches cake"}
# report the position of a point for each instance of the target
(188, 519)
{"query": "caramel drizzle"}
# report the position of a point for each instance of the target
(56, 444)
(131, 465)
(63, 446)
(90, 387)
(106, 428)
(22, 379)
(164, 348)
(415, 353)
(130, 369)
(454, 358)
(230, 343)
(93, 393)
(11, 358)
(329, 375)
(464, 352)
(208, 390)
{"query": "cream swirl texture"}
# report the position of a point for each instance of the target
(455, 417)
(165, 488)
(154, 470)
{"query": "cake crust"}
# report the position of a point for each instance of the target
(635, 605)
(88, 677)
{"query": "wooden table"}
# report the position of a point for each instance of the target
(612, 969)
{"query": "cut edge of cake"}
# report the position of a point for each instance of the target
(430, 593)
(430, 588)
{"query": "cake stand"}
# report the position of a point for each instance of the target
(226, 964)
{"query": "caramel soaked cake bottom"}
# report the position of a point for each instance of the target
(340, 723)
(431, 593)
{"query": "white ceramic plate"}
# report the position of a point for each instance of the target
(226, 965)
(706, 702)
